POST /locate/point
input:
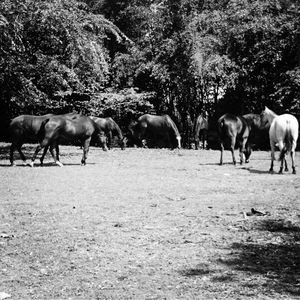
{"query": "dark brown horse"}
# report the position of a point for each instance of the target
(234, 129)
(25, 129)
(200, 131)
(61, 128)
(159, 130)
(110, 128)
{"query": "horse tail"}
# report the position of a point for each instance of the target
(117, 129)
(221, 126)
(41, 132)
(175, 130)
(197, 126)
(288, 138)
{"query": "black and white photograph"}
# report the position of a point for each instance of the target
(149, 149)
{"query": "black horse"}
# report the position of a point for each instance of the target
(158, 131)
(110, 128)
(234, 129)
(25, 129)
(200, 131)
(62, 128)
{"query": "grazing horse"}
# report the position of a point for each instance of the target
(25, 129)
(234, 129)
(283, 132)
(201, 129)
(61, 128)
(110, 128)
(161, 130)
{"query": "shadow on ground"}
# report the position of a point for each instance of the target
(276, 259)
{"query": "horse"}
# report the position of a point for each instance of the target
(110, 128)
(235, 129)
(25, 129)
(200, 131)
(62, 128)
(160, 130)
(283, 132)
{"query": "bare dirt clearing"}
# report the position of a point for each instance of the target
(148, 224)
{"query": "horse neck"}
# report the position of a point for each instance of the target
(270, 116)
(253, 120)
(117, 129)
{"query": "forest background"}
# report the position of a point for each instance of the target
(126, 58)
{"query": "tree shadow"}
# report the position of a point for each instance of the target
(276, 259)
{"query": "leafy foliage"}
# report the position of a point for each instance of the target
(220, 56)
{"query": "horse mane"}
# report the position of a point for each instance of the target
(271, 112)
(116, 128)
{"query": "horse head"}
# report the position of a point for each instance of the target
(265, 120)
(123, 142)
(102, 140)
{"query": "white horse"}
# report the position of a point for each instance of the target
(283, 133)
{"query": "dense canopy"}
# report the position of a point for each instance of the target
(125, 58)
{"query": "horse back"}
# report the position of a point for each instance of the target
(158, 125)
(69, 128)
(233, 126)
(25, 128)
(284, 127)
(201, 123)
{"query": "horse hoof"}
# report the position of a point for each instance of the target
(247, 161)
(59, 163)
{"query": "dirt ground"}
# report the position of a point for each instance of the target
(148, 224)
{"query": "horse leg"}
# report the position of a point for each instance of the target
(11, 155)
(221, 156)
(42, 145)
(55, 157)
(44, 153)
(272, 145)
(197, 143)
(86, 145)
(204, 139)
(293, 157)
(282, 155)
(22, 154)
(243, 149)
(286, 169)
(109, 140)
(232, 149)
